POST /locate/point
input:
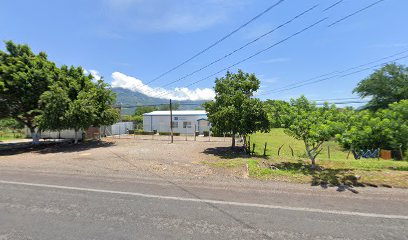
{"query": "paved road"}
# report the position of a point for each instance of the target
(35, 205)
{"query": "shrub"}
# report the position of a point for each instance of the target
(168, 134)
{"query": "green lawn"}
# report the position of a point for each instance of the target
(10, 135)
(276, 138)
(334, 171)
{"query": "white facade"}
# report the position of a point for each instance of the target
(184, 122)
(66, 134)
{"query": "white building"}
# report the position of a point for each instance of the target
(184, 122)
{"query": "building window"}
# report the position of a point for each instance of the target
(175, 124)
(186, 124)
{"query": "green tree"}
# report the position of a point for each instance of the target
(103, 98)
(386, 85)
(311, 124)
(386, 129)
(76, 102)
(276, 110)
(24, 77)
(234, 110)
(139, 111)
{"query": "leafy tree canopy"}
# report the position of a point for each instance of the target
(311, 124)
(386, 128)
(386, 85)
(24, 77)
(234, 110)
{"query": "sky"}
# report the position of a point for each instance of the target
(132, 42)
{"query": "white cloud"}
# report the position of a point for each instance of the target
(170, 15)
(131, 83)
(95, 74)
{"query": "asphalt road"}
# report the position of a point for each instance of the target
(35, 205)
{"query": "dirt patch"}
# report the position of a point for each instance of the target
(125, 156)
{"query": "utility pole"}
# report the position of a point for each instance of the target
(171, 122)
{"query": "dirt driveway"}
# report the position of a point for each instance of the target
(124, 157)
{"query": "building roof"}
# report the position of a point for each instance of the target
(177, 113)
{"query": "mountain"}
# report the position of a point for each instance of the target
(129, 100)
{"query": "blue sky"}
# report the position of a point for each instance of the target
(130, 42)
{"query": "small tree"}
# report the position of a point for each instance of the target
(234, 110)
(311, 124)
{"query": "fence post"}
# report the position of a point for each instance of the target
(209, 135)
(249, 145)
(328, 151)
(400, 149)
(265, 149)
(291, 150)
(195, 130)
(253, 149)
(280, 149)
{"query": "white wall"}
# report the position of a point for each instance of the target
(161, 123)
(69, 134)
(121, 128)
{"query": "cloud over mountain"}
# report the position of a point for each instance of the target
(128, 82)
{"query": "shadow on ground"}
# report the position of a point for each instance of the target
(226, 152)
(52, 147)
(344, 178)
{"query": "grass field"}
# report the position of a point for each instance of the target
(9, 135)
(334, 171)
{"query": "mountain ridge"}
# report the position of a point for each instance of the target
(129, 100)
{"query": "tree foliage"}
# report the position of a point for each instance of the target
(313, 125)
(276, 110)
(42, 96)
(77, 102)
(386, 85)
(385, 129)
(24, 77)
(234, 109)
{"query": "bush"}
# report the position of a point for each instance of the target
(168, 134)
(221, 134)
(141, 132)
(206, 133)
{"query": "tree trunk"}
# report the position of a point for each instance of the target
(244, 143)
(34, 136)
(233, 140)
(76, 136)
(309, 153)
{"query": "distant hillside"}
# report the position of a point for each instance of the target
(128, 99)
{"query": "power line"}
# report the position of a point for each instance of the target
(342, 71)
(336, 77)
(354, 13)
(218, 41)
(257, 53)
(336, 99)
(243, 46)
(333, 5)
(159, 104)
(341, 103)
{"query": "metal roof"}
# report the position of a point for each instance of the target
(177, 113)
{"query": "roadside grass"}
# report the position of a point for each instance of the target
(10, 135)
(330, 172)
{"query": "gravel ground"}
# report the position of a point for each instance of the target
(141, 155)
